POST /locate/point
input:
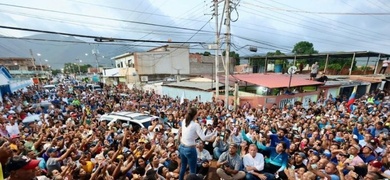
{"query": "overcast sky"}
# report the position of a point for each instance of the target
(331, 25)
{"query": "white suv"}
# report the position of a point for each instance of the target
(135, 120)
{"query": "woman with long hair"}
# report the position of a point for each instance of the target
(190, 131)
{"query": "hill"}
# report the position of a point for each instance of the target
(59, 49)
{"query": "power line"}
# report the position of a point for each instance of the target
(101, 26)
(99, 17)
(313, 28)
(326, 13)
(94, 37)
(341, 26)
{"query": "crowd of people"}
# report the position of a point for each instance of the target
(328, 140)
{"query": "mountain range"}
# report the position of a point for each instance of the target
(59, 49)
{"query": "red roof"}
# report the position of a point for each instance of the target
(277, 80)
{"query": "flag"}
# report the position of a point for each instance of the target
(351, 99)
(182, 98)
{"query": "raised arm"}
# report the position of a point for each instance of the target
(203, 137)
(244, 137)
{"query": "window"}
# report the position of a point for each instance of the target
(13, 67)
(136, 126)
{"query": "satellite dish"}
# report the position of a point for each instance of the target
(292, 70)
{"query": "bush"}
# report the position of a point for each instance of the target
(336, 67)
(362, 68)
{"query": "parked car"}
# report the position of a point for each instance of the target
(49, 87)
(135, 120)
(93, 86)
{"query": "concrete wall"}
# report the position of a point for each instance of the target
(3, 79)
(200, 64)
(203, 96)
(281, 100)
(171, 61)
(127, 61)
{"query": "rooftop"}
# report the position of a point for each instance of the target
(204, 86)
(325, 54)
(272, 80)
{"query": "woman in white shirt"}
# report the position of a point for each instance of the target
(190, 131)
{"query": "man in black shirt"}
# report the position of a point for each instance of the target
(323, 78)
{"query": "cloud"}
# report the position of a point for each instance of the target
(269, 28)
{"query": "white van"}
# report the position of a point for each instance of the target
(49, 87)
(135, 120)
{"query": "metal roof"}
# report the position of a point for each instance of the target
(204, 86)
(325, 54)
(271, 80)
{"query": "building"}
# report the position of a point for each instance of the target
(8, 84)
(24, 67)
(271, 88)
(205, 65)
(152, 65)
(166, 62)
(198, 88)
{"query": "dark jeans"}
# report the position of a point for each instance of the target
(250, 176)
(188, 157)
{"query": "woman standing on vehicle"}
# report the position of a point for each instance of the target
(190, 131)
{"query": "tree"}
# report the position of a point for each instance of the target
(75, 68)
(206, 53)
(304, 47)
(234, 55)
(54, 72)
(276, 53)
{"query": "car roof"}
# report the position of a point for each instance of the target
(133, 115)
(49, 85)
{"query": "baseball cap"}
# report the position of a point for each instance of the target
(376, 164)
(142, 140)
(356, 146)
(328, 155)
(369, 146)
(338, 139)
(51, 150)
(301, 154)
(21, 162)
(15, 136)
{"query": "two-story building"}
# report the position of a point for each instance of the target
(24, 67)
(161, 63)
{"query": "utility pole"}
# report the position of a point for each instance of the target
(216, 49)
(227, 54)
(96, 52)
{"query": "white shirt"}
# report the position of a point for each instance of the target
(257, 161)
(385, 63)
(13, 129)
(192, 132)
(204, 154)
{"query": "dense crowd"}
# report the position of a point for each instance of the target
(330, 139)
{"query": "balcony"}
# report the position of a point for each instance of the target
(24, 72)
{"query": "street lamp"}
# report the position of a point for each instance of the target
(40, 61)
(80, 61)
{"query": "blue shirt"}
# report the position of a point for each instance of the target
(275, 140)
(368, 158)
(275, 158)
